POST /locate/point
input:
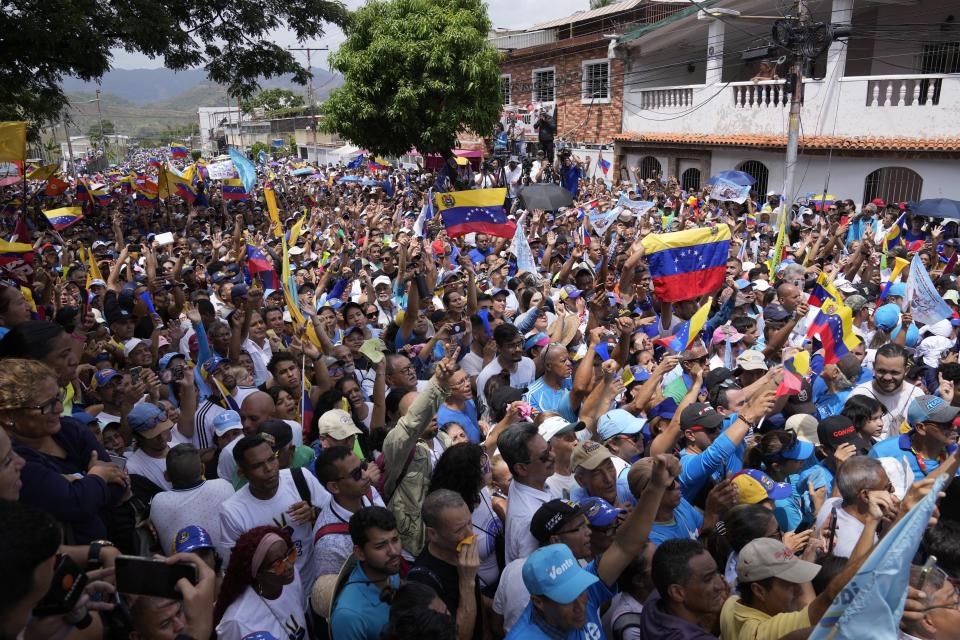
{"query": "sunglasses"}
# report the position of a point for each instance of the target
(545, 456)
(357, 473)
(373, 315)
(279, 567)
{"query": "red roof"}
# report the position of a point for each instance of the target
(806, 142)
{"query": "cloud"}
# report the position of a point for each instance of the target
(507, 14)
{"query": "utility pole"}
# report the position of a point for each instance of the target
(793, 121)
(310, 101)
(66, 131)
(103, 136)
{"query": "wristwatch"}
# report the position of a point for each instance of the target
(93, 557)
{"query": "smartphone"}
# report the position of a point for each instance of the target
(143, 576)
(120, 461)
(135, 374)
(66, 587)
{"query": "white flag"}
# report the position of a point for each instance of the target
(922, 298)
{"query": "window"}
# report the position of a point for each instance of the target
(893, 184)
(759, 172)
(690, 180)
(596, 81)
(505, 88)
(543, 85)
(650, 168)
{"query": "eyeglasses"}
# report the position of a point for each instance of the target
(545, 456)
(357, 473)
(48, 407)
(584, 526)
(279, 567)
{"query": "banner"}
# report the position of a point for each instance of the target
(922, 298)
(637, 206)
(724, 190)
(603, 221)
(223, 170)
(520, 247)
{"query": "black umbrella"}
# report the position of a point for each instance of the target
(936, 208)
(547, 196)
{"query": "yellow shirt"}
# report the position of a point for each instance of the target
(740, 622)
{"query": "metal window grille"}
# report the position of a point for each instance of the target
(650, 168)
(543, 86)
(759, 171)
(690, 180)
(505, 89)
(892, 184)
(596, 81)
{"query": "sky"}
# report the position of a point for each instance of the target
(510, 14)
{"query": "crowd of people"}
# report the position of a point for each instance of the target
(352, 425)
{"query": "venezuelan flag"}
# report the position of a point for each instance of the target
(795, 369)
(83, 192)
(102, 197)
(823, 290)
(259, 264)
(687, 264)
(475, 211)
(179, 151)
(233, 189)
(64, 217)
(835, 331)
(44, 173)
(145, 200)
(894, 236)
(688, 332)
(377, 164)
(751, 219)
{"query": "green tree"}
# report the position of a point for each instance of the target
(45, 41)
(417, 73)
(273, 99)
(96, 135)
(256, 148)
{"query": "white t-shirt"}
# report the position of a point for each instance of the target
(203, 433)
(523, 503)
(896, 404)
(472, 364)
(243, 512)
(525, 374)
(848, 528)
(226, 465)
(141, 464)
(171, 511)
(331, 538)
(561, 486)
(512, 596)
(282, 618)
(487, 526)
(622, 603)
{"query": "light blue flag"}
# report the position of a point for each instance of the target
(245, 169)
(637, 206)
(922, 298)
(521, 248)
(871, 604)
(603, 221)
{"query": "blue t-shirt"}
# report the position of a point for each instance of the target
(477, 256)
(466, 419)
(531, 625)
(544, 398)
(359, 614)
(686, 524)
(899, 447)
(579, 494)
(712, 464)
(789, 511)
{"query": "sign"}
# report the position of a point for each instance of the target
(724, 190)
(223, 170)
(922, 298)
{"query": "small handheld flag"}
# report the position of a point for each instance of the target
(62, 218)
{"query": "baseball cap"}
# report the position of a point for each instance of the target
(776, 313)
(952, 295)
(226, 422)
(930, 409)
(599, 512)
(97, 282)
(799, 450)
(167, 357)
(589, 455)
(665, 409)
(279, 432)
(700, 415)
(619, 422)
(337, 424)
(239, 291)
(557, 426)
(720, 377)
(148, 420)
(192, 538)
(569, 291)
(726, 332)
(743, 284)
(379, 280)
(554, 573)
(130, 345)
(755, 486)
(84, 418)
(103, 377)
(553, 517)
(536, 339)
(834, 431)
(898, 289)
(761, 285)
(751, 360)
(768, 558)
(856, 302)
(210, 365)
(805, 426)
(887, 316)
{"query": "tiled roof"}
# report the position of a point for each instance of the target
(806, 142)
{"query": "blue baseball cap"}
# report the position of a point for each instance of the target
(898, 289)
(665, 410)
(210, 365)
(755, 486)
(619, 422)
(801, 450)
(167, 357)
(554, 573)
(148, 420)
(104, 376)
(887, 317)
(599, 512)
(84, 418)
(930, 409)
(226, 422)
(192, 538)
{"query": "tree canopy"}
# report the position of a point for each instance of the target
(45, 41)
(272, 100)
(417, 73)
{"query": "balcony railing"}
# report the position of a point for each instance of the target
(903, 91)
(666, 97)
(759, 95)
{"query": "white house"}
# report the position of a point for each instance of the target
(880, 115)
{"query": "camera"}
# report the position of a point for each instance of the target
(66, 587)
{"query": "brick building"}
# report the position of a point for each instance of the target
(563, 65)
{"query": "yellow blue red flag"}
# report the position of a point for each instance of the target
(687, 264)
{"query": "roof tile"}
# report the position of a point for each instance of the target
(871, 143)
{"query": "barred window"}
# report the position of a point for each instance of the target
(543, 85)
(596, 80)
(505, 89)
